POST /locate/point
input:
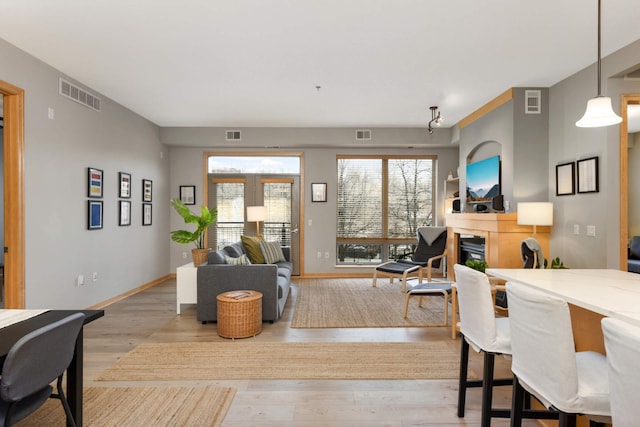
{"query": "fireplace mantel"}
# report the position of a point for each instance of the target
(502, 236)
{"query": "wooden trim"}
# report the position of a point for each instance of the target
(384, 157)
(139, 289)
(14, 259)
(496, 102)
(276, 181)
(625, 100)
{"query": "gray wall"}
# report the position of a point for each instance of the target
(521, 141)
(57, 153)
(319, 166)
(634, 178)
(567, 103)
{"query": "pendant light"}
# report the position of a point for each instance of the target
(599, 111)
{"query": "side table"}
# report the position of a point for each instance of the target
(186, 285)
(239, 314)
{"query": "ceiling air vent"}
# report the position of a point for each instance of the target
(81, 96)
(363, 135)
(233, 135)
(532, 102)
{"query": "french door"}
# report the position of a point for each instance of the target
(231, 194)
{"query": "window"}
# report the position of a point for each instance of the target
(381, 203)
(230, 206)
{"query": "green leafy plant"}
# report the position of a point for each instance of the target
(202, 221)
(557, 264)
(477, 264)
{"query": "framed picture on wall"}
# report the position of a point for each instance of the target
(94, 182)
(125, 213)
(588, 181)
(94, 220)
(565, 183)
(188, 194)
(146, 213)
(319, 192)
(124, 187)
(147, 190)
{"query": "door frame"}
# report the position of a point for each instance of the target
(14, 259)
(300, 155)
(625, 100)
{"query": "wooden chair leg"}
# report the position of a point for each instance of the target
(406, 305)
(446, 308)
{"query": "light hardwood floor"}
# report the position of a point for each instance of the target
(150, 317)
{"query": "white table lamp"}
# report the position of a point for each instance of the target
(256, 214)
(535, 213)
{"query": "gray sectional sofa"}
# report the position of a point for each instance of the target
(217, 276)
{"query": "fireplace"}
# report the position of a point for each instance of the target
(471, 247)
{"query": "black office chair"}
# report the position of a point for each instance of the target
(32, 364)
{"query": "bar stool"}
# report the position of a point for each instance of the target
(622, 342)
(545, 364)
(485, 333)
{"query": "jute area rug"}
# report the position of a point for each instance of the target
(142, 406)
(354, 303)
(256, 360)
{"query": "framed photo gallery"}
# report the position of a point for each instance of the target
(96, 206)
(578, 177)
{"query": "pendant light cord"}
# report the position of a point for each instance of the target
(599, 53)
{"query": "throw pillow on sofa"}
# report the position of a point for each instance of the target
(272, 252)
(241, 260)
(252, 246)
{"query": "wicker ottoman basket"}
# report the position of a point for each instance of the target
(239, 314)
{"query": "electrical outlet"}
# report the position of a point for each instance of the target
(326, 255)
(576, 229)
(310, 222)
(95, 277)
(184, 255)
(319, 254)
(80, 280)
(591, 230)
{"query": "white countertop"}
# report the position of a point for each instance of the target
(612, 293)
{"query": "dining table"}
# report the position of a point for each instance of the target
(11, 333)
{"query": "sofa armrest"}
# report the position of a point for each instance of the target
(214, 279)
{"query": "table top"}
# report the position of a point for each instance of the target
(12, 333)
(239, 296)
(612, 293)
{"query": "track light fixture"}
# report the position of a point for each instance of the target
(599, 110)
(436, 119)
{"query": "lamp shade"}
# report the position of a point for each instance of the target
(535, 213)
(256, 213)
(599, 113)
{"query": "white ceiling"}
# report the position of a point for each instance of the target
(379, 63)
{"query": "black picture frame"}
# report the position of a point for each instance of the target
(188, 194)
(147, 190)
(147, 214)
(565, 179)
(94, 214)
(319, 192)
(124, 185)
(124, 217)
(588, 175)
(95, 179)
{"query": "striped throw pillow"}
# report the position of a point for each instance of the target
(272, 252)
(241, 260)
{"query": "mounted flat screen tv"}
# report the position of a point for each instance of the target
(483, 180)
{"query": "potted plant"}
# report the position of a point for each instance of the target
(202, 222)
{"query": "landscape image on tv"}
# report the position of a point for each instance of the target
(483, 180)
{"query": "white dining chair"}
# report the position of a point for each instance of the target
(545, 363)
(485, 333)
(622, 342)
